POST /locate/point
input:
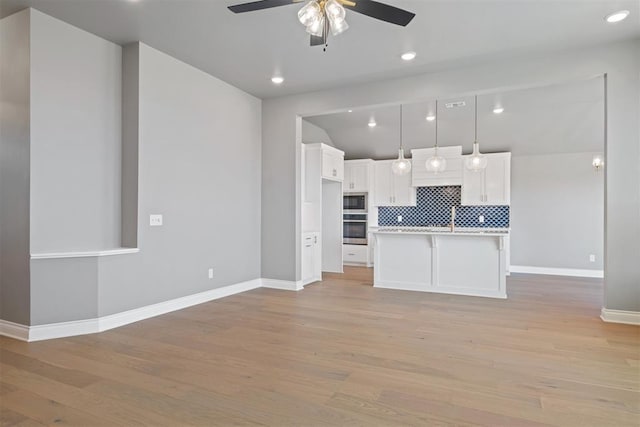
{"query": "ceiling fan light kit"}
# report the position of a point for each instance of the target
(320, 16)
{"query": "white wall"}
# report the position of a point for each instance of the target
(14, 168)
(75, 138)
(312, 134)
(281, 202)
(557, 211)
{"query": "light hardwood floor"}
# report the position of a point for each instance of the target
(341, 353)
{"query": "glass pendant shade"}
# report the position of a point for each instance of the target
(310, 13)
(436, 164)
(338, 27)
(316, 28)
(401, 166)
(336, 15)
(476, 161)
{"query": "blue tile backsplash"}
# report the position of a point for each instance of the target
(434, 208)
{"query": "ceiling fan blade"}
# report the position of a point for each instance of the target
(383, 12)
(259, 5)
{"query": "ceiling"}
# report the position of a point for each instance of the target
(565, 118)
(247, 49)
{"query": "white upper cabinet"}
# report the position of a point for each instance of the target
(358, 176)
(491, 186)
(452, 175)
(391, 189)
(332, 163)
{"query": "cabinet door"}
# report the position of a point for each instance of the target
(404, 193)
(332, 165)
(472, 188)
(358, 177)
(498, 179)
(383, 184)
(308, 258)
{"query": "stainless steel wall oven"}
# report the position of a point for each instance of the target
(354, 229)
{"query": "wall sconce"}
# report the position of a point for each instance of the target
(598, 162)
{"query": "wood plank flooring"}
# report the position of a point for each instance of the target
(341, 353)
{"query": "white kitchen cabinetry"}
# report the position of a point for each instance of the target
(358, 176)
(391, 189)
(332, 163)
(452, 175)
(356, 254)
(323, 170)
(311, 258)
(491, 186)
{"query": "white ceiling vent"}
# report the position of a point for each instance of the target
(455, 104)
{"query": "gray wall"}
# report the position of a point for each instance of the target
(75, 138)
(281, 202)
(14, 168)
(130, 137)
(199, 166)
(557, 211)
(312, 134)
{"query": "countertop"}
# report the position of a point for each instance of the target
(462, 231)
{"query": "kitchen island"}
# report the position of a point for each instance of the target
(462, 262)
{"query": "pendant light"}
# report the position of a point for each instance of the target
(401, 166)
(436, 164)
(476, 162)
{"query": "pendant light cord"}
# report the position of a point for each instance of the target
(437, 117)
(401, 126)
(476, 125)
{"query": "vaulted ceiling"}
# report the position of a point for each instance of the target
(563, 118)
(247, 49)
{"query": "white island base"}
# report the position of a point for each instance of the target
(461, 263)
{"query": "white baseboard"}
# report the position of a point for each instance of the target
(146, 312)
(91, 326)
(620, 316)
(574, 272)
(14, 330)
(287, 285)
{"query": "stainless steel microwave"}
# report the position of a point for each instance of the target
(355, 203)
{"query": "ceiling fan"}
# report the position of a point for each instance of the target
(320, 16)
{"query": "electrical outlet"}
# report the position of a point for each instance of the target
(399, 218)
(155, 220)
(481, 219)
(592, 258)
(211, 273)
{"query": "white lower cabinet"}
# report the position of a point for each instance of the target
(355, 254)
(311, 258)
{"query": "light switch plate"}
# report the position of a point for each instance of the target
(481, 219)
(155, 220)
(399, 218)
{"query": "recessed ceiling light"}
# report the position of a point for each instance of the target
(277, 80)
(616, 16)
(349, 111)
(372, 124)
(430, 118)
(498, 110)
(408, 56)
